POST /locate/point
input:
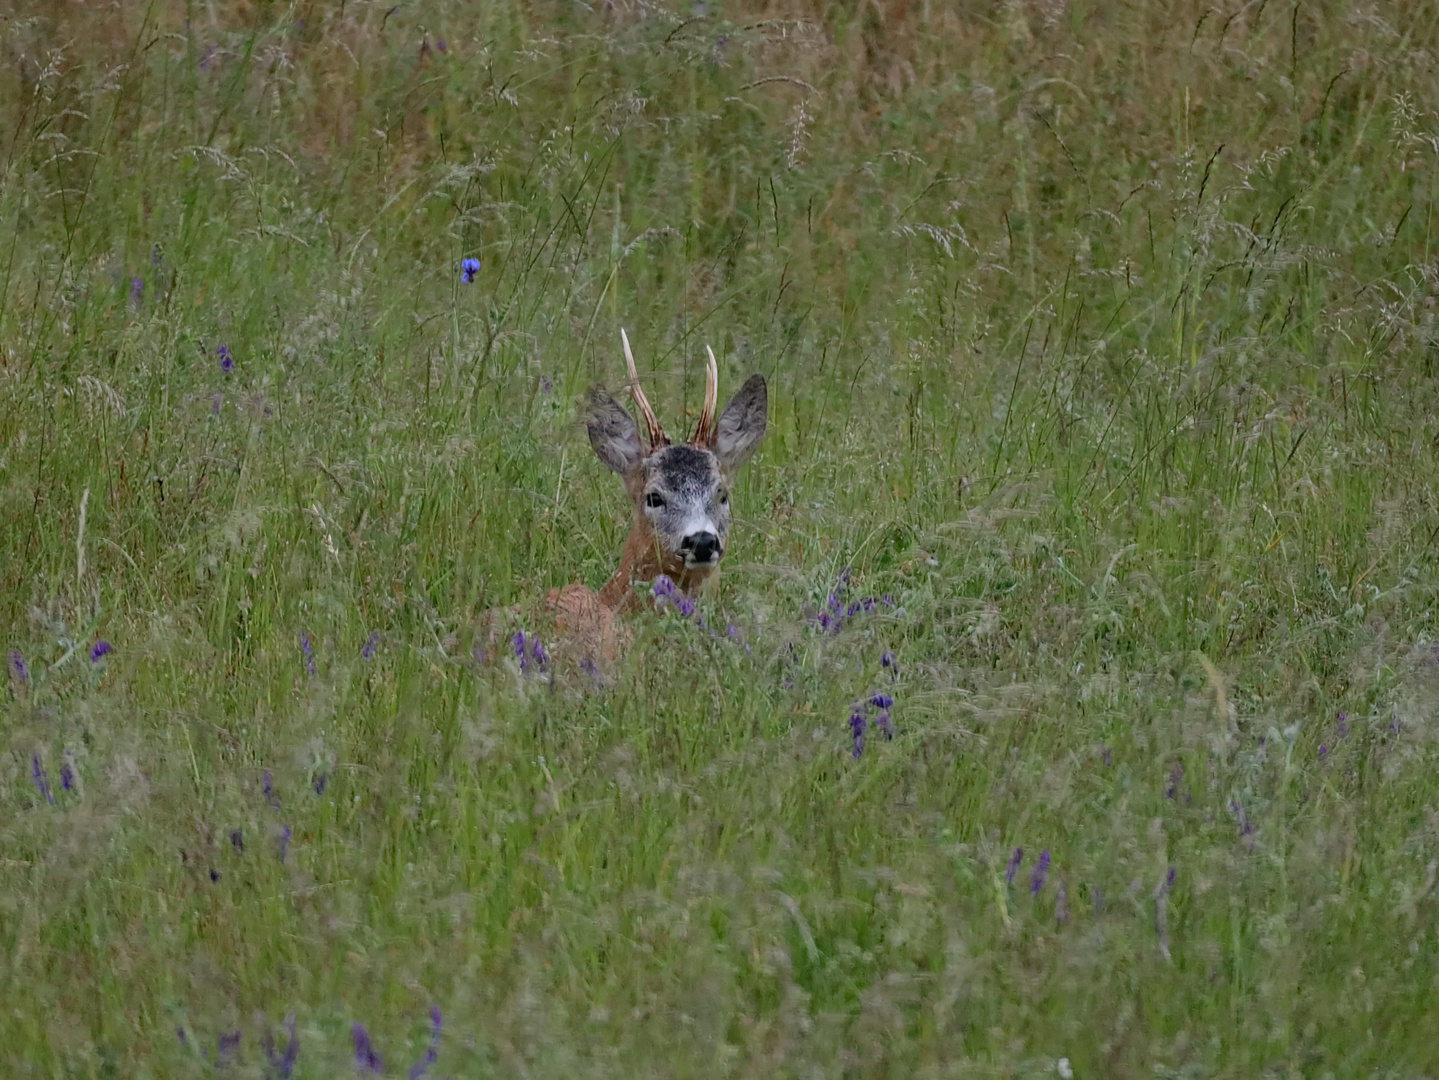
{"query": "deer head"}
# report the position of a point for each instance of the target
(681, 492)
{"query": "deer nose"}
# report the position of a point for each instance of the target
(701, 547)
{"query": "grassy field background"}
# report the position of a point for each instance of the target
(1101, 350)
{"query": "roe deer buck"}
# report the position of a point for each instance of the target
(680, 495)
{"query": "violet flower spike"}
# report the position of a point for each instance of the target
(100, 650)
(284, 842)
(308, 651)
(366, 1057)
(1342, 723)
(137, 292)
(881, 701)
(1016, 858)
(422, 1068)
(227, 1049)
(17, 665)
(67, 772)
(269, 790)
(1041, 871)
(283, 1067)
(227, 361)
(857, 725)
(371, 644)
(468, 269)
(664, 586)
(884, 725)
(41, 780)
(685, 606)
(519, 643)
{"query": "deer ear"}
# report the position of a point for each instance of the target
(741, 426)
(613, 433)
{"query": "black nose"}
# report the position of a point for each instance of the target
(701, 546)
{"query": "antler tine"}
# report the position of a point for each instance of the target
(657, 434)
(705, 429)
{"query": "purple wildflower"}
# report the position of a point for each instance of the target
(547, 387)
(537, 650)
(1176, 774)
(137, 292)
(100, 649)
(1016, 857)
(440, 44)
(371, 644)
(1041, 871)
(881, 701)
(1323, 751)
(684, 605)
(664, 587)
(308, 651)
(1246, 827)
(422, 1068)
(17, 665)
(1342, 723)
(237, 841)
(468, 269)
(366, 1057)
(283, 1066)
(321, 780)
(269, 790)
(590, 668)
(227, 359)
(227, 1049)
(284, 842)
(884, 725)
(41, 780)
(519, 643)
(155, 255)
(857, 724)
(1394, 724)
(887, 661)
(67, 772)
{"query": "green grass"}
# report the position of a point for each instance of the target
(1100, 337)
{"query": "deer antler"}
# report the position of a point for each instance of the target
(705, 429)
(658, 437)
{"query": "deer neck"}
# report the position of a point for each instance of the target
(642, 560)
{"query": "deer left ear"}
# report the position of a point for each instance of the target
(741, 426)
(613, 434)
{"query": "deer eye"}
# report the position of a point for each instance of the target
(724, 498)
(655, 499)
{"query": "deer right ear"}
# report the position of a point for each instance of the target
(613, 433)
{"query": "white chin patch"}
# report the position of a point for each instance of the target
(692, 563)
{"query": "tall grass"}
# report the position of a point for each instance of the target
(1100, 339)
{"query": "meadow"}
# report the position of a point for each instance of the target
(1069, 701)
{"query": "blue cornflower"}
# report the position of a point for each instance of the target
(17, 665)
(100, 649)
(1015, 859)
(857, 725)
(283, 1066)
(468, 269)
(1040, 872)
(41, 780)
(366, 1057)
(371, 644)
(227, 359)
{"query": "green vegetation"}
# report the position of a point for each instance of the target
(1100, 338)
